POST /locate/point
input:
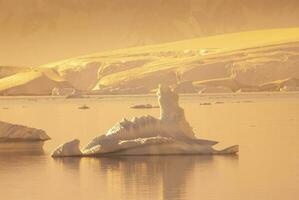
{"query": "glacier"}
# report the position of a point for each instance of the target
(147, 135)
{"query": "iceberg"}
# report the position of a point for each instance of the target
(147, 135)
(70, 148)
(15, 137)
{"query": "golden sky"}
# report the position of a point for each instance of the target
(34, 32)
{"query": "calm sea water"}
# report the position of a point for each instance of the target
(266, 126)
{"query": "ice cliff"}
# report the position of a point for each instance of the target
(146, 135)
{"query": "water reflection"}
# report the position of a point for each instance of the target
(155, 175)
(18, 153)
(145, 177)
(69, 163)
(25, 161)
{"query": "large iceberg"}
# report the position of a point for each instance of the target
(147, 135)
(15, 137)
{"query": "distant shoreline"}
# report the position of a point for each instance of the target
(243, 94)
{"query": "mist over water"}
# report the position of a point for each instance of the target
(264, 125)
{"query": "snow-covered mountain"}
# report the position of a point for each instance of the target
(242, 61)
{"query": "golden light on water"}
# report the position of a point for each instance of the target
(75, 68)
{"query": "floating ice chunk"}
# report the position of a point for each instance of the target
(18, 138)
(70, 148)
(13, 133)
(146, 135)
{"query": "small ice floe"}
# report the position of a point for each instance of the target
(203, 51)
(143, 106)
(147, 135)
(247, 101)
(83, 107)
(236, 102)
(70, 148)
(205, 104)
(21, 138)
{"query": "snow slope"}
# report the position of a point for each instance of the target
(33, 82)
(251, 58)
(238, 62)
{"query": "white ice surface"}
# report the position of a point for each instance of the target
(170, 134)
(13, 132)
(71, 148)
